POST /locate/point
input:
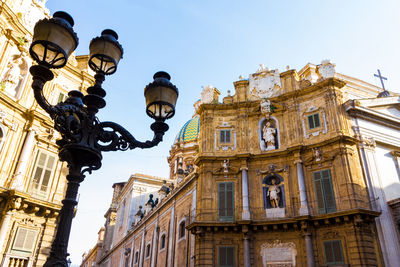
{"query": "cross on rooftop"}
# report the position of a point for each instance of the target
(379, 75)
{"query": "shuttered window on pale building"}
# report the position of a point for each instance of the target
(333, 252)
(226, 257)
(226, 201)
(324, 191)
(24, 239)
(42, 171)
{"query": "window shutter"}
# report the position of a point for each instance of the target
(229, 200)
(230, 253)
(43, 169)
(20, 238)
(221, 199)
(227, 136)
(226, 201)
(324, 191)
(222, 256)
(316, 120)
(29, 241)
(319, 192)
(311, 122)
(226, 257)
(328, 191)
(221, 137)
(333, 252)
(24, 239)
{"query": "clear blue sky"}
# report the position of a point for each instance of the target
(213, 42)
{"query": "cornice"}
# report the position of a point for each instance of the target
(293, 151)
(28, 204)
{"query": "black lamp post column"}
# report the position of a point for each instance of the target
(58, 254)
(83, 135)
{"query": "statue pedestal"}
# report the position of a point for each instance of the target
(275, 213)
(270, 147)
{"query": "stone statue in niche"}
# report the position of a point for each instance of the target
(269, 136)
(273, 194)
(12, 76)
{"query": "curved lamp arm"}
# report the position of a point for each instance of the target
(118, 138)
(41, 75)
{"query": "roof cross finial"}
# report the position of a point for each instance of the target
(379, 75)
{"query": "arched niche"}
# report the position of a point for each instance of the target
(274, 124)
(269, 181)
(15, 76)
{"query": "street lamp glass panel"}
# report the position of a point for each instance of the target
(105, 53)
(160, 102)
(53, 42)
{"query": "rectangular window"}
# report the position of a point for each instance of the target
(61, 97)
(226, 256)
(42, 171)
(333, 252)
(313, 121)
(122, 214)
(225, 136)
(324, 191)
(24, 239)
(226, 201)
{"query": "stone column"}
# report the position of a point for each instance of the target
(155, 238)
(20, 171)
(246, 252)
(309, 250)
(142, 248)
(245, 195)
(171, 236)
(302, 188)
(3, 231)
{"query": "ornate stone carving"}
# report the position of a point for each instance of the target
(209, 94)
(265, 107)
(278, 254)
(326, 69)
(317, 154)
(264, 83)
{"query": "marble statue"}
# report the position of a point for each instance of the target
(12, 75)
(269, 134)
(273, 194)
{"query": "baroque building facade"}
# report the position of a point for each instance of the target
(285, 172)
(32, 180)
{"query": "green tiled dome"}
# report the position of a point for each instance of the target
(189, 131)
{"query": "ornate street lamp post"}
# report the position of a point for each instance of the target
(83, 135)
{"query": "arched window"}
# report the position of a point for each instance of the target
(182, 230)
(148, 250)
(162, 242)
